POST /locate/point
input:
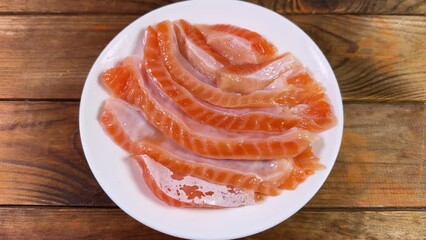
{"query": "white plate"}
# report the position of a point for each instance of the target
(121, 179)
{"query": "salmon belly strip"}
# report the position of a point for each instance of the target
(129, 129)
(183, 73)
(247, 78)
(267, 84)
(201, 87)
(195, 49)
(126, 82)
(187, 191)
(238, 45)
(265, 177)
(278, 98)
(257, 120)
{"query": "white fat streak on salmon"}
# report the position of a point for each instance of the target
(203, 192)
(199, 56)
(240, 111)
(131, 120)
(271, 71)
(185, 64)
(137, 128)
(227, 44)
(250, 78)
(280, 83)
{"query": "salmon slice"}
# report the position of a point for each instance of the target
(247, 78)
(195, 49)
(126, 82)
(263, 176)
(243, 79)
(129, 129)
(184, 74)
(186, 191)
(238, 45)
(296, 96)
(260, 120)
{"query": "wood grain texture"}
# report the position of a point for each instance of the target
(41, 158)
(381, 160)
(349, 225)
(376, 59)
(50, 57)
(380, 164)
(281, 6)
(71, 223)
(345, 6)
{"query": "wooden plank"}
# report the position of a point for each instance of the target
(71, 223)
(346, 6)
(380, 163)
(41, 158)
(376, 59)
(381, 158)
(349, 225)
(280, 6)
(50, 57)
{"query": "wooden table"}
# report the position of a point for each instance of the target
(377, 188)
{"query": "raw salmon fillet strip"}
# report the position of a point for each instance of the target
(266, 177)
(284, 97)
(129, 129)
(126, 82)
(199, 85)
(258, 120)
(185, 191)
(278, 96)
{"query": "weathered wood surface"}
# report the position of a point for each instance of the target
(377, 189)
(374, 59)
(380, 162)
(100, 223)
(41, 158)
(378, 58)
(280, 6)
(407, 7)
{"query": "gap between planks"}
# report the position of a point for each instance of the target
(305, 209)
(297, 7)
(143, 13)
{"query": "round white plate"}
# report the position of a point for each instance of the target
(121, 179)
